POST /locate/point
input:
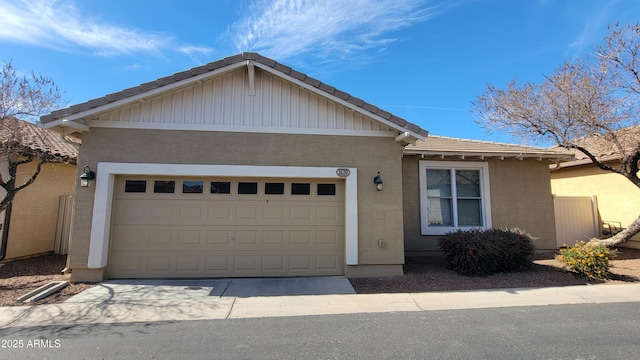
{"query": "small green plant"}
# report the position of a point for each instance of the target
(483, 252)
(588, 259)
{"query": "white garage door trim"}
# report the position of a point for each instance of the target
(105, 186)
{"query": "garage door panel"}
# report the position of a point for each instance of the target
(274, 237)
(220, 213)
(327, 237)
(144, 265)
(202, 238)
(160, 213)
(300, 237)
(245, 263)
(160, 264)
(219, 236)
(190, 238)
(217, 264)
(275, 213)
(193, 264)
(226, 235)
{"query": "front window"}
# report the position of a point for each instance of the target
(453, 195)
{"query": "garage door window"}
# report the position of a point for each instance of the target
(220, 187)
(192, 187)
(247, 188)
(135, 186)
(164, 187)
(326, 189)
(274, 188)
(300, 189)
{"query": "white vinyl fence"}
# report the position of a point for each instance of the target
(577, 218)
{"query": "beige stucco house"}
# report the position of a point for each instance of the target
(617, 200)
(32, 224)
(246, 167)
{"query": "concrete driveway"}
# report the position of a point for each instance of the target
(142, 290)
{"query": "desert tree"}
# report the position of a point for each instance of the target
(23, 99)
(589, 105)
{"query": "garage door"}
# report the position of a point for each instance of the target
(213, 227)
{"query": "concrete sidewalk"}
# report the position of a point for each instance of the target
(206, 307)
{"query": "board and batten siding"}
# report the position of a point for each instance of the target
(224, 103)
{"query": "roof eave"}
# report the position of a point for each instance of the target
(588, 161)
(552, 157)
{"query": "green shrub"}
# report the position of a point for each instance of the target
(592, 260)
(484, 252)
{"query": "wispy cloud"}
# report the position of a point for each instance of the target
(193, 49)
(62, 26)
(325, 28)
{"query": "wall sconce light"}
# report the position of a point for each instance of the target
(378, 181)
(87, 176)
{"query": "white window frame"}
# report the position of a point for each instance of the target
(485, 195)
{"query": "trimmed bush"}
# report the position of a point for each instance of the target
(591, 260)
(484, 252)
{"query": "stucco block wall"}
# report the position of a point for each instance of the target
(379, 212)
(520, 197)
(34, 213)
(618, 199)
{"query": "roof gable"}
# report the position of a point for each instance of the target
(74, 117)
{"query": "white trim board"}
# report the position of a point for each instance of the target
(105, 187)
(231, 128)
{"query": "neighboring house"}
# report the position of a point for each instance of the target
(31, 225)
(246, 167)
(617, 199)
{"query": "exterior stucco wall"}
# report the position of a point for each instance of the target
(618, 199)
(34, 213)
(379, 212)
(520, 197)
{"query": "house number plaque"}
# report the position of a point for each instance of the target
(343, 172)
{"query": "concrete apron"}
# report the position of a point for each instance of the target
(144, 290)
(117, 302)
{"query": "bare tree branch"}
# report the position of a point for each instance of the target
(590, 100)
(23, 99)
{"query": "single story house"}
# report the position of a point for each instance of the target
(246, 167)
(617, 200)
(33, 223)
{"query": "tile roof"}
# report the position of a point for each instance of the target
(32, 137)
(448, 146)
(212, 66)
(604, 149)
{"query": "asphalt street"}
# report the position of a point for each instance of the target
(587, 331)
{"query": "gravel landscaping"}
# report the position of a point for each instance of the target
(429, 273)
(21, 276)
(421, 274)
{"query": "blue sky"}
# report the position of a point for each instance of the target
(422, 60)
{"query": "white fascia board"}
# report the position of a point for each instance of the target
(153, 92)
(227, 128)
(66, 123)
(335, 99)
(105, 187)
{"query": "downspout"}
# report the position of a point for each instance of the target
(5, 232)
